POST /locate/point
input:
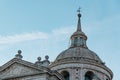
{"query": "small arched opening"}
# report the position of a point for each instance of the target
(75, 41)
(66, 75)
(89, 75)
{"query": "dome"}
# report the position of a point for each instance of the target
(78, 59)
(78, 52)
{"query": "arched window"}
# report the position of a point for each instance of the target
(89, 75)
(66, 75)
(81, 41)
(75, 41)
(76, 78)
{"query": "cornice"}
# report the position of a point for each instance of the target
(81, 61)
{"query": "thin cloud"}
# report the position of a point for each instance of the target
(56, 33)
(60, 32)
(22, 37)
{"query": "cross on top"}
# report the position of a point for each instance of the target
(78, 10)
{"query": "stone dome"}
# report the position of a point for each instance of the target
(78, 52)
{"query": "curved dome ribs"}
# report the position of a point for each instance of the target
(78, 53)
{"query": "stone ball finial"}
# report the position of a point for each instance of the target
(19, 51)
(79, 15)
(38, 62)
(19, 56)
(39, 58)
(46, 57)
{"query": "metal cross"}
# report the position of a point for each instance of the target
(78, 10)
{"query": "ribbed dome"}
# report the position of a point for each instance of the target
(78, 52)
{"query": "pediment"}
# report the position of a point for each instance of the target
(17, 69)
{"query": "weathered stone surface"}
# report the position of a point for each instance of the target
(17, 70)
(22, 70)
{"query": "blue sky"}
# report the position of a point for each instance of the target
(43, 27)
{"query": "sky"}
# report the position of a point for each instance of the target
(44, 27)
